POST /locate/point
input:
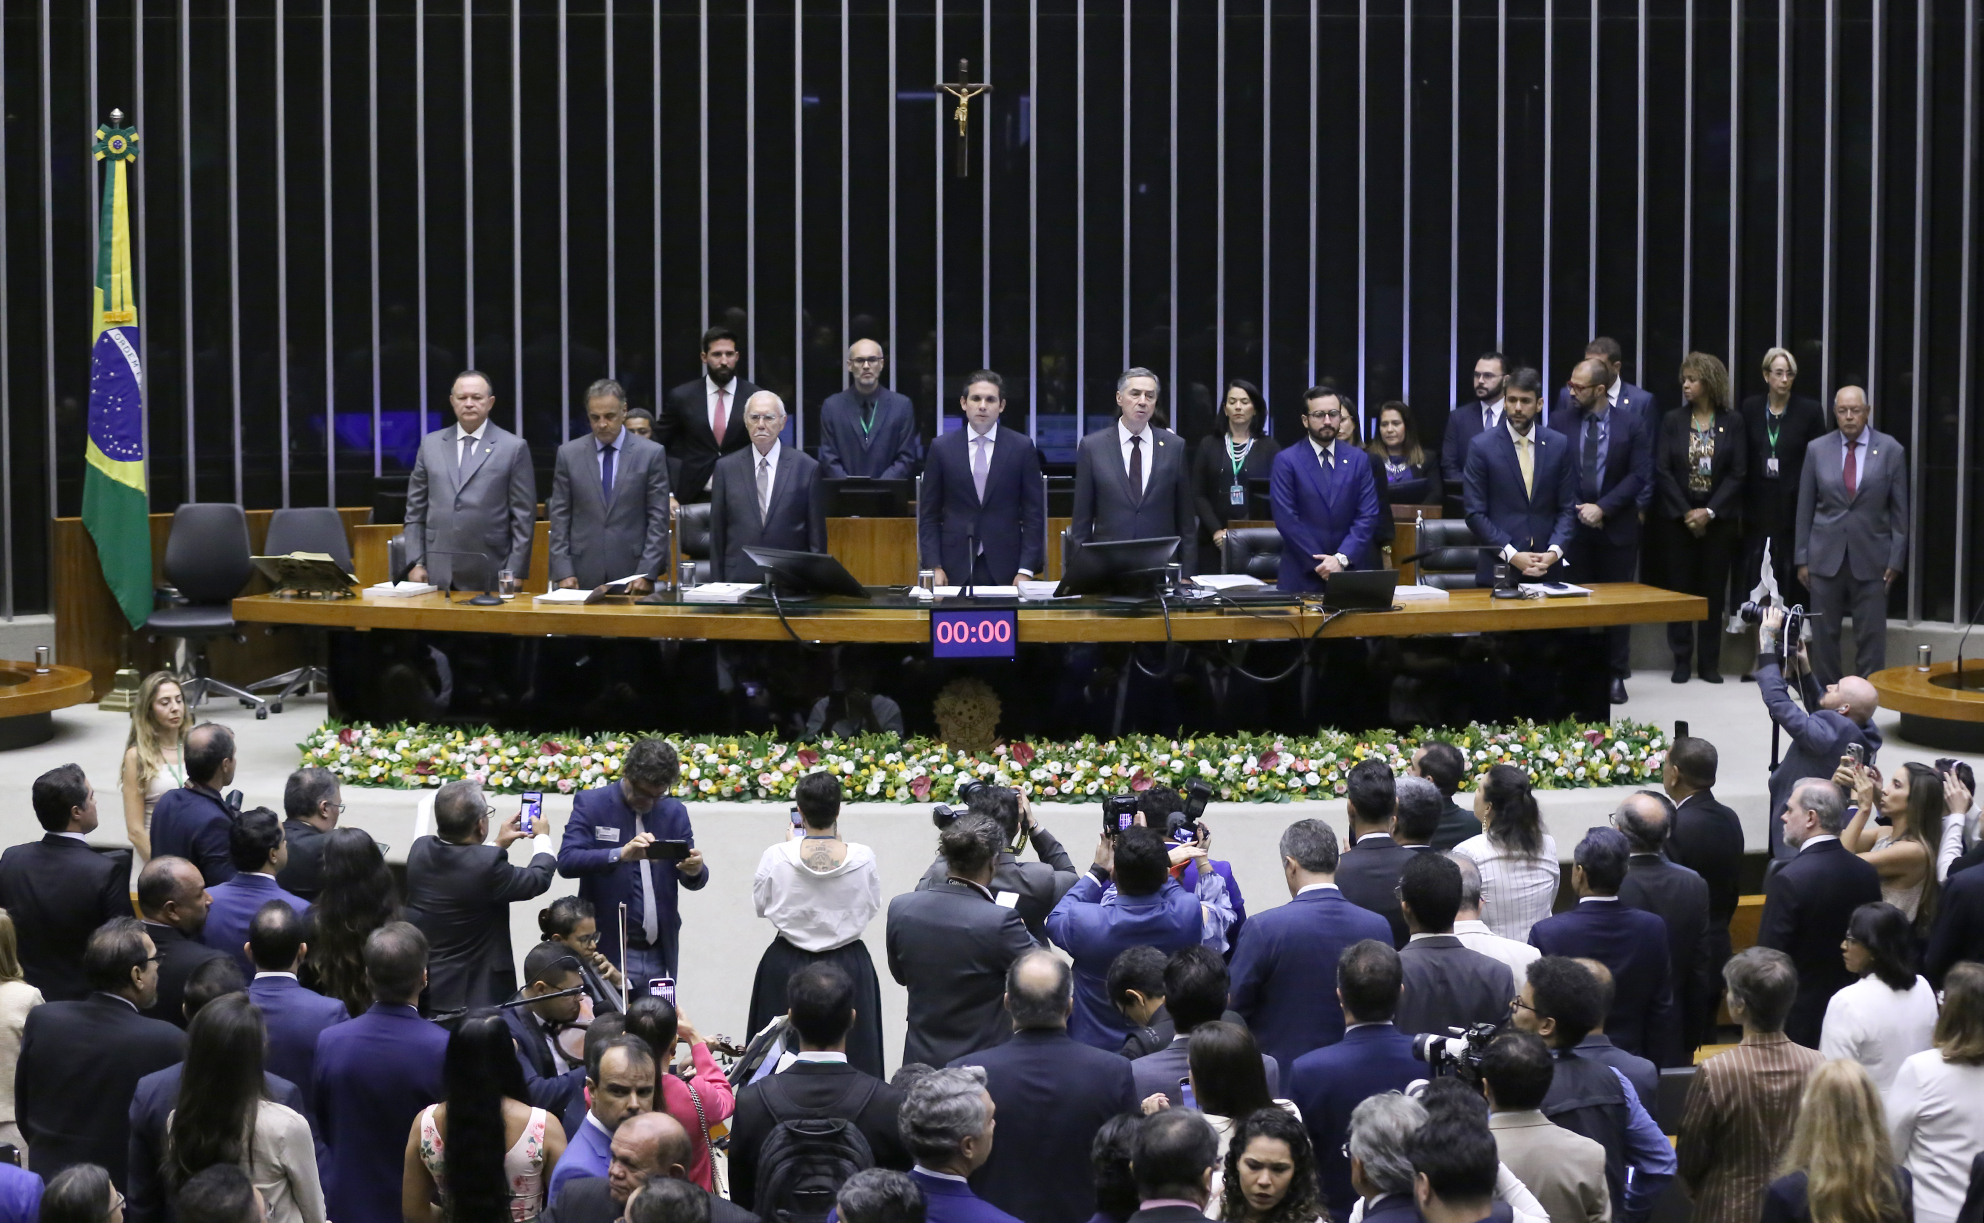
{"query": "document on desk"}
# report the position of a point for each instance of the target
(1038, 591)
(980, 592)
(1551, 590)
(573, 595)
(1226, 581)
(720, 592)
(1426, 593)
(400, 590)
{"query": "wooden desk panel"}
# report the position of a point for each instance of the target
(877, 551)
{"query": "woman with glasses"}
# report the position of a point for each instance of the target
(1227, 460)
(569, 922)
(482, 1155)
(1889, 1014)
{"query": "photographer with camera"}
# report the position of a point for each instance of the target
(1178, 817)
(1149, 910)
(1039, 885)
(1841, 721)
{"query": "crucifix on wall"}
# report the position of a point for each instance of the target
(964, 89)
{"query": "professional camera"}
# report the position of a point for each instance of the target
(943, 815)
(1793, 632)
(1458, 1053)
(1119, 811)
(1184, 826)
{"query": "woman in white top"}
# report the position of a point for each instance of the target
(1516, 858)
(482, 1155)
(820, 892)
(1890, 1012)
(1904, 852)
(17, 998)
(152, 765)
(1936, 1106)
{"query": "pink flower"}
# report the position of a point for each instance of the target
(1022, 753)
(551, 747)
(1270, 759)
(808, 757)
(564, 785)
(347, 736)
(919, 785)
(1139, 782)
(1594, 737)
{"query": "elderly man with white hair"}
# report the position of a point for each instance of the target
(763, 495)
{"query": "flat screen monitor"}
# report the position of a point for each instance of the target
(805, 573)
(862, 497)
(1118, 567)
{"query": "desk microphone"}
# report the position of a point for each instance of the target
(488, 597)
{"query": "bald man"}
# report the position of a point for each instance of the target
(868, 429)
(1852, 540)
(1845, 716)
(763, 495)
(648, 1147)
(1614, 457)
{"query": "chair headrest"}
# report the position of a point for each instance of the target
(692, 525)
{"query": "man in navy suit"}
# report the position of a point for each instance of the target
(1063, 1089)
(1194, 987)
(1447, 983)
(373, 1075)
(1706, 837)
(1614, 457)
(1147, 909)
(947, 1122)
(1681, 899)
(296, 1016)
(1628, 399)
(59, 890)
(1133, 480)
(1172, 1160)
(1367, 874)
(459, 890)
(1285, 964)
(765, 495)
(1372, 1058)
(1631, 942)
(702, 420)
(173, 904)
(553, 1079)
(1469, 420)
(192, 821)
(1521, 487)
(1809, 899)
(605, 849)
(258, 850)
(868, 429)
(981, 515)
(1325, 504)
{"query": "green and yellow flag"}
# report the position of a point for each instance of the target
(115, 505)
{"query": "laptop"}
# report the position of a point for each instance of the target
(1361, 590)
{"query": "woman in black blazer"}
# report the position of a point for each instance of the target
(1408, 470)
(1228, 460)
(1699, 465)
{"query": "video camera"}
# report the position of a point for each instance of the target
(1795, 617)
(1458, 1053)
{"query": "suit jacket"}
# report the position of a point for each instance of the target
(78, 1071)
(178, 956)
(813, 1090)
(1447, 985)
(460, 897)
(1327, 1083)
(891, 450)
(950, 947)
(1641, 1073)
(58, 891)
(1400, 1208)
(374, 1074)
(192, 823)
(1565, 1171)
(1636, 401)
(1680, 897)
(152, 1103)
(1861, 535)
(683, 427)
(1463, 426)
(590, 852)
(1633, 944)
(1367, 875)
(589, 1199)
(1105, 509)
(1169, 1214)
(1807, 903)
(1457, 824)
(548, 1083)
(1284, 970)
(1817, 741)
(1320, 510)
(598, 542)
(1213, 478)
(1707, 838)
(1502, 515)
(949, 1201)
(1063, 1090)
(295, 1017)
(1161, 1070)
(1959, 930)
(1628, 475)
(487, 506)
(1727, 469)
(1039, 885)
(792, 520)
(304, 875)
(1769, 503)
(1094, 931)
(233, 911)
(1010, 525)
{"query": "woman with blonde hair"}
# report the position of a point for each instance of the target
(17, 998)
(152, 759)
(1839, 1167)
(1700, 461)
(1936, 1106)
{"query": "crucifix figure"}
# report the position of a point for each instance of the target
(964, 89)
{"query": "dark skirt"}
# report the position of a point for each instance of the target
(782, 959)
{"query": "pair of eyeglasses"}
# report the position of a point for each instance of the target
(1519, 1004)
(864, 361)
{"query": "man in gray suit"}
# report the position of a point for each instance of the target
(1133, 481)
(763, 495)
(1852, 534)
(609, 500)
(472, 491)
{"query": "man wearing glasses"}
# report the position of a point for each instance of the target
(1325, 504)
(1133, 480)
(312, 801)
(868, 429)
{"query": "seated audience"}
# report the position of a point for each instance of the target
(1444, 765)
(1446, 985)
(1109, 1160)
(1367, 873)
(358, 897)
(1474, 933)
(1173, 1159)
(1889, 1014)
(1380, 1164)
(1195, 991)
(1632, 943)
(1935, 1108)
(698, 1103)
(1681, 899)
(1641, 1073)
(1565, 1170)
(1455, 1168)
(191, 822)
(620, 1075)
(312, 801)
(947, 1121)
(1839, 1163)
(1270, 1171)
(221, 1194)
(17, 998)
(503, 1149)
(880, 1195)
(553, 1078)
(1516, 858)
(256, 847)
(174, 903)
(58, 889)
(81, 1193)
(1149, 909)
(296, 1016)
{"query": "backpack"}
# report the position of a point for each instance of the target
(805, 1161)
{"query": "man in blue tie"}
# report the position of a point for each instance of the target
(1469, 420)
(1615, 467)
(1325, 503)
(256, 844)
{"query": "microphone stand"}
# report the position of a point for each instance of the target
(623, 957)
(488, 597)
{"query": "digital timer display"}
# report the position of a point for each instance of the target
(973, 634)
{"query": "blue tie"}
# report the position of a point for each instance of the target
(606, 472)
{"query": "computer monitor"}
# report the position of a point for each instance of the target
(1118, 567)
(863, 497)
(800, 574)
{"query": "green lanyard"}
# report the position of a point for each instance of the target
(1773, 425)
(1239, 460)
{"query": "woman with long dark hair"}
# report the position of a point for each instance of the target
(1270, 1171)
(1226, 460)
(1229, 1082)
(1700, 460)
(699, 1100)
(224, 1116)
(1116, 1197)
(358, 897)
(1889, 1014)
(1411, 475)
(483, 1153)
(1516, 858)
(1905, 851)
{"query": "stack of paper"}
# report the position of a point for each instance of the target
(1038, 590)
(574, 595)
(1419, 592)
(400, 590)
(980, 592)
(1552, 590)
(719, 592)
(1226, 581)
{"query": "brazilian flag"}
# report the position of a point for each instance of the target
(115, 504)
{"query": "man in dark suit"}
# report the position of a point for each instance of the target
(174, 905)
(553, 1078)
(700, 421)
(1442, 764)
(1284, 969)
(1172, 1160)
(1372, 1058)
(1852, 535)
(1809, 899)
(1149, 909)
(821, 1085)
(258, 850)
(373, 1075)
(1133, 480)
(1064, 1091)
(1380, 1167)
(766, 494)
(1623, 396)
(459, 892)
(1367, 874)
(1777, 427)
(1195, 985)
(1469, 420)
(951, 946)
(1039, 885)
(651, 1152)
(1680, 897)
(1446, 984)
(192, 821)
(471, 500)
(1844, 717)
(947, 1121)
(1521, 488)
(1959, 930)
(1631, 942)
(1325, 504)
(619, 1083)
(1614, 457)
(312, 801)
(609, 501)
(1455, 1165)
(58, 890)
(296, 1016)
(868, 430)
(1640, 1073)
(81, 1061)
(1707, 838)
(981, 515)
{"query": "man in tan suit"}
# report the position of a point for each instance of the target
(1565, 1171)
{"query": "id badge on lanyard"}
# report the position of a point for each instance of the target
(1236, 496)
(1770, 467)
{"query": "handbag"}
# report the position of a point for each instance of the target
(709, 1148)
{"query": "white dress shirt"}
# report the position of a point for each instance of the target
(1476, 936)
(1516, 891)
(770, 458)
(817, 910)
(1936, 1121)
(1491, 414)
(476, 437)
(1317, 887)
(1958, 834)
(1879, 1027)
(1149, 436)
(1847, 446)
(730, 412)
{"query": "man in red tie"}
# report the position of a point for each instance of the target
(1852, 540)
(703, 420)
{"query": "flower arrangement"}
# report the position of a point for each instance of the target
(1262, 768)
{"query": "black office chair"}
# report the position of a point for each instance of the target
(692, 533)
(1254, 551)
(206, 559)
(1450, 549)
(315, 529)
